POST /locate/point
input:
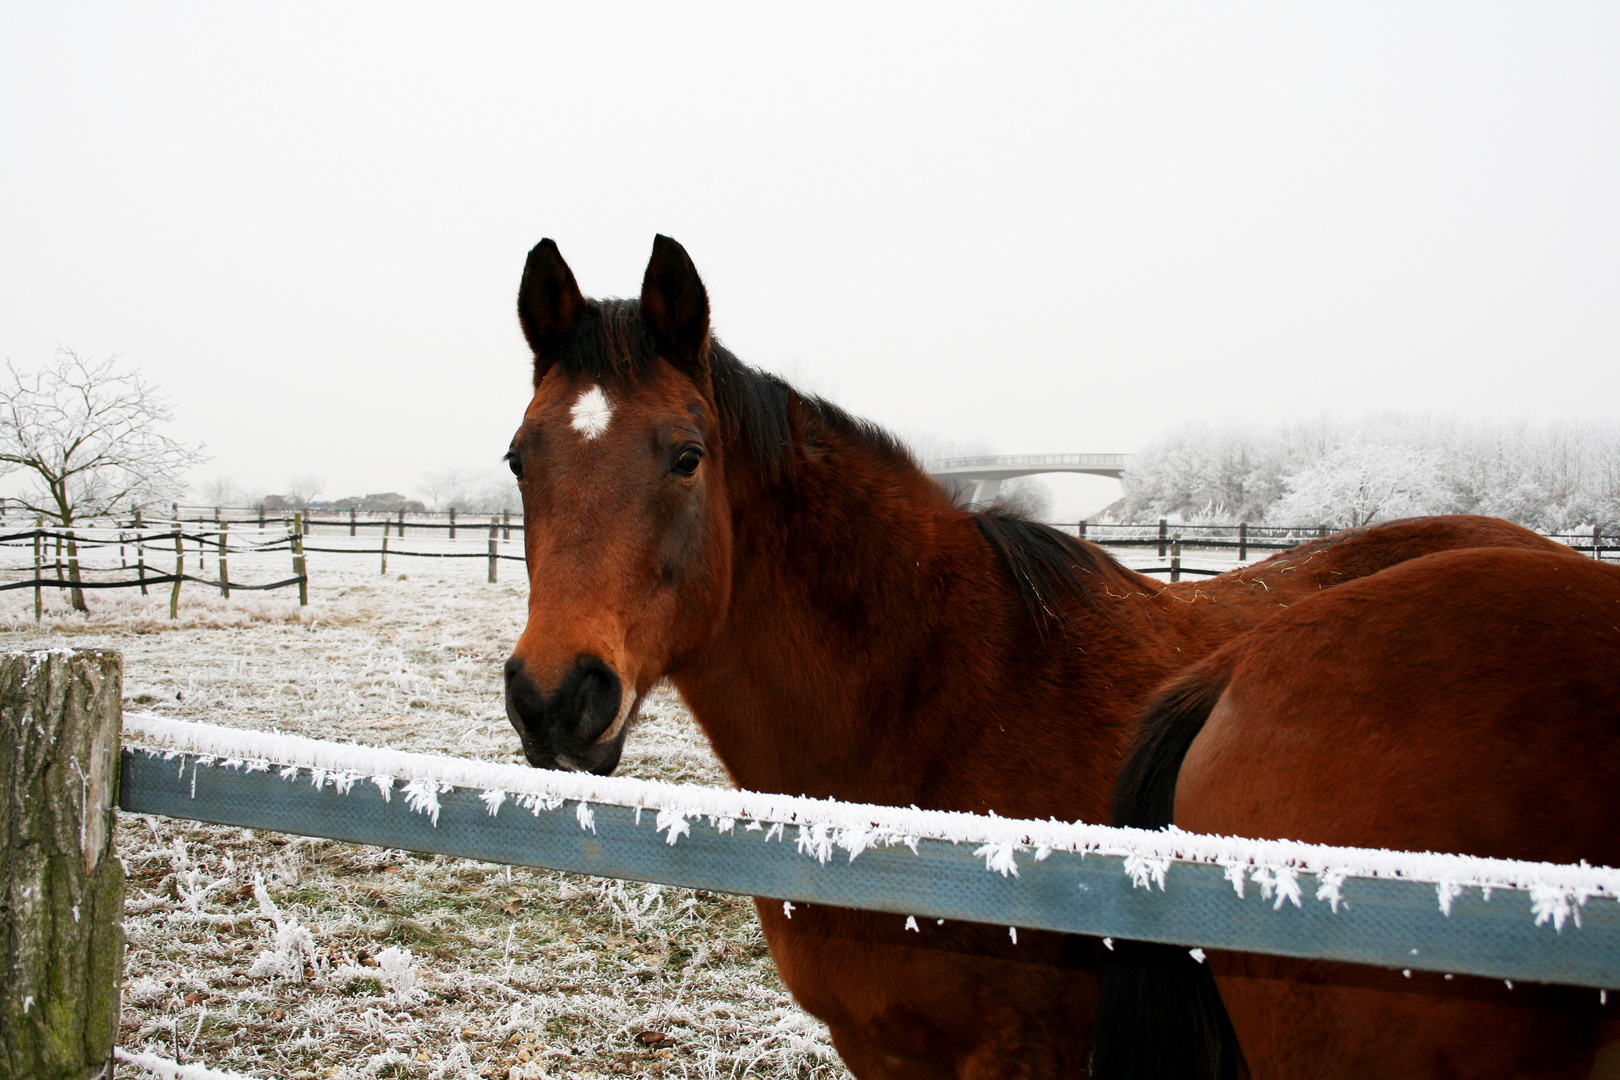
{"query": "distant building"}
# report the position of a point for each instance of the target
(384, 502)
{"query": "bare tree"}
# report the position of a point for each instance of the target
(220, 491)
(85, 432)
(301, 489)
(470, 488)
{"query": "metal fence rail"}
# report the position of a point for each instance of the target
(1391, 923)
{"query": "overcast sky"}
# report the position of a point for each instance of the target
(1027, 227)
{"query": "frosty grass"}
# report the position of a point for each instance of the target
(279, 957)
(310, 958)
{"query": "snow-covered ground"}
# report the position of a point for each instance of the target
(358, 962)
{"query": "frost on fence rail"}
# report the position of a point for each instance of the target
(825, 827)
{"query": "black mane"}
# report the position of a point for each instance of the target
(612, 344)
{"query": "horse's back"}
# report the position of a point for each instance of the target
(1477, 693)
(1465, 702)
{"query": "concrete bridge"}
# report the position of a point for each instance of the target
(978, 479)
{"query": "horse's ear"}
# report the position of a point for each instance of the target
(676, 307)
(549, 302)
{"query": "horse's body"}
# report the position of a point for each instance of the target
(1465, 702)
(839, 628)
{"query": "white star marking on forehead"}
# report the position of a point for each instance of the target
(592, 413)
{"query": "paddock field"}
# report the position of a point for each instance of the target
(512, 972)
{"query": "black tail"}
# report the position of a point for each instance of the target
(1161, 1015)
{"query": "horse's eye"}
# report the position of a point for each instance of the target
(514, 463)
(686, 462)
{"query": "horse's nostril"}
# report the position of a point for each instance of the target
(590, 697)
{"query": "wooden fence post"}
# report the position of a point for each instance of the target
(385, 551)
(179, 574)
(261, 516)
(1175, 558)
(140, 553)
(224, 555)
(1243, 540)
(39, 570)
(1321, 532)
(494, 550)
(1082, 530)
(61, 886)
(402, 521)
(300, 567)
(506, 524)
(1163, 535)
(452, 523)
(353, 513)
(1597, 544)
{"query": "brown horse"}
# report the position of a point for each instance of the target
(841, 629)
(1465, 702)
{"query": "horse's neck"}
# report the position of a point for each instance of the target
(874, 642)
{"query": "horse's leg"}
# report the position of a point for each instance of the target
(951, 1005)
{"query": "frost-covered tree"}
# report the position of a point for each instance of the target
(222, 491)
(471, 489)
(1556, 477)
(86, 435)
(1027, 496)
(1358, 483)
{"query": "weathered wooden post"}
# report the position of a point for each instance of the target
(1164, 535)
(353, 513)
(179, 574)
(61, 886)
(300, 567)
(494, 548)
(224, 559)
(1082, 530)
(140, 553)
(1175, 558)
(506, 524)
(1321, 532)
(452, 523)
(402, 521)
(1243, 540)
(39, 570)
(385, 551)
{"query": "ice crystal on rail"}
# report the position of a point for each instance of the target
(1146, 871)
(816, 841)
(675, 822)
(1331, 888)
(998, 859)
(1281, 880)
(422, 796)
(1447, 891)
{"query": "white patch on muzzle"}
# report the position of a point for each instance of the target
(592, 413)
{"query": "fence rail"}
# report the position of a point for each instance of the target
(1488, 917)
(1169, 540)
(171, 541)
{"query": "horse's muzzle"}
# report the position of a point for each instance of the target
(579, 726)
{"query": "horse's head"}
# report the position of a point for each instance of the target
(626, 521)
